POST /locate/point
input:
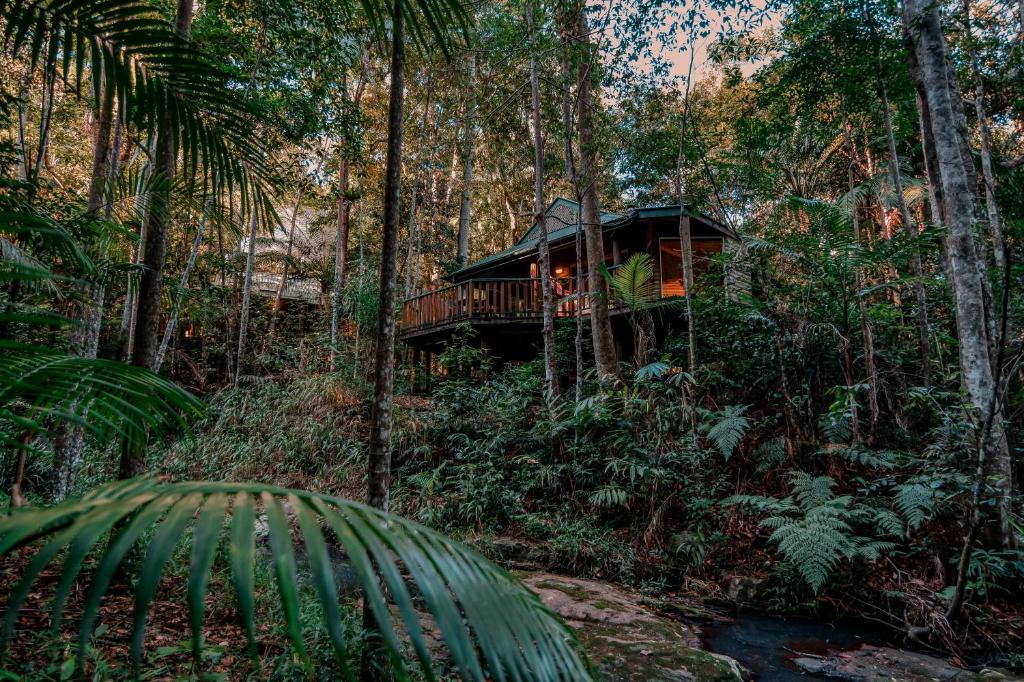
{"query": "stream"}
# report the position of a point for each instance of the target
(767, 645)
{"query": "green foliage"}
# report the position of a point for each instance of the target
(488, 622)
(726, 428)
(633, 283)
(129, 51)
(814, 529)
(42, 388)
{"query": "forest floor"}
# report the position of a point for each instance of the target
(627, 637)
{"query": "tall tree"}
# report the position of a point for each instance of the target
(953, 177)
(146, 334)
(551, 389)
(378, 458)
(468, 148)
(87, 307)
(576, 34)
(243, 315)
(685, 233)
(346, 153)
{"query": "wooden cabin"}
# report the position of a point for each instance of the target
(499, 296)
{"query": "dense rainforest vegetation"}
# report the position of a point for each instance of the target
(217, 457)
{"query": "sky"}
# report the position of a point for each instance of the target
(667, 33)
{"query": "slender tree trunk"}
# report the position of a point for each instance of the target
(979, 349)
(193, 255)
(600, 321)
(910, 229)
(378, 464)
(154, 258)
(551, 390)
(22, 147)
(17, 498)
(342, 228)
(279, 294)
(243, 316)
(45, 118)
(867, 334)
(570, 169)
(468, 142)
(86, 310)
(413, 232)
(995, 225)
(685, 237)
(340, 255)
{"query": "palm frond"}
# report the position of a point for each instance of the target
(108, 398)
(492, 627)
(164, 85)
(633, 283)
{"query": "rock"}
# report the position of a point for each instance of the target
(626, 641)
(743, 589)
(877, 663)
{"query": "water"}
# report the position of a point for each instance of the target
(767, 645)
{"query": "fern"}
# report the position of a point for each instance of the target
(813, 529)
(770, 454)
(726, 428)
(811, 491)
(857, 453)
(916, 502)
(609, 496)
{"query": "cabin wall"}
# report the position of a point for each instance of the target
(657, 238)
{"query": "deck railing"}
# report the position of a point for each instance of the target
(489, 299)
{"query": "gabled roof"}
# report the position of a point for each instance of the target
(560, 214)
(562, 225)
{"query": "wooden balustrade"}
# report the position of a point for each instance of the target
(488, 299)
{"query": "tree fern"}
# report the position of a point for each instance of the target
(814, 530)
(492, 627)
(726, 428)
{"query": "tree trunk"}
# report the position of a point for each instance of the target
(413, 232)
(243, 316)
(154, 257)
(340, 255)
(995, 225)
(570, 170)
(45, 118)
(468, 142)
(279, 294)
(685, 240)
(586, 183)
(172, 323)
(551, 390)
(910, 229)
(979, 354)
(342, 229)
(86, 310)
(378, 464)
(867, 334)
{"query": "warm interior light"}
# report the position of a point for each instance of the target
(559, 271)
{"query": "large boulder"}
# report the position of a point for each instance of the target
(626, 641)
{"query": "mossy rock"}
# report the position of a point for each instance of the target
(651, 652)
(624, 640)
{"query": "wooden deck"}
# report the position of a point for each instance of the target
(487, 300)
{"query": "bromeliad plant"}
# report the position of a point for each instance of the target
(493, 628)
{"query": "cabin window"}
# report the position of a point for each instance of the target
(671, 262)
(533, 270)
